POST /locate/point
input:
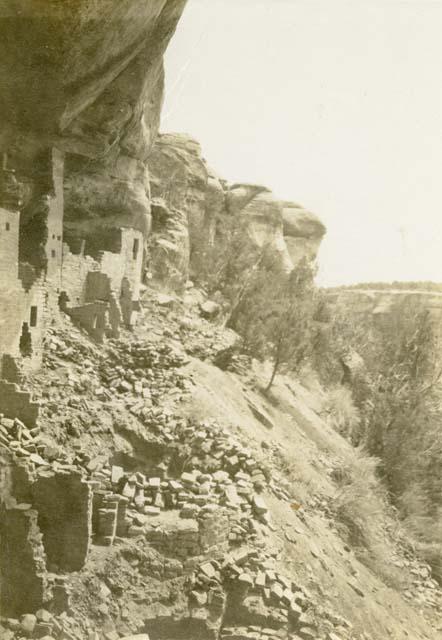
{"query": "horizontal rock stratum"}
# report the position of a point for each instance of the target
(193, 206)
(148, 488)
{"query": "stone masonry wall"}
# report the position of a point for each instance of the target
(18, 404)
(186, 538)
(29, 298)
(22, 561)
(120, 273)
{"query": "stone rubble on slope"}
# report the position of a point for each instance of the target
(201, 507)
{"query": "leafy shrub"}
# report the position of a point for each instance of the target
(423, 519)
(361, 506)
(342, 414)
(274, 314)
(398, 396)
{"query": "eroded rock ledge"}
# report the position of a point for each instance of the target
(191, 206)
(77, 238)
(88, 200)
(81, 92)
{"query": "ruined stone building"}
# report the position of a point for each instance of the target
(46, 268)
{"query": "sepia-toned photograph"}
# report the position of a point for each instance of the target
(220, 320)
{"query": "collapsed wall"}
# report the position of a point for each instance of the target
(84, 186)
(81, 91)
(22, 561)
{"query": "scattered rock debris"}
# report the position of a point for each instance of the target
(163, 521)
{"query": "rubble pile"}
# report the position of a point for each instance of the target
(257, 599)
(90, 386)
(211, 450)
(66, 342)
(189, 326)
(144, 373)
(225, 505)
(21, 441)
(145, 369)
(224, 484)
(181, 512)
(42, 625)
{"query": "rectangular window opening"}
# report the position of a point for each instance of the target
(7, 226)
(33, 317)
(135, 248)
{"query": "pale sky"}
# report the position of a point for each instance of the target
(336, 104)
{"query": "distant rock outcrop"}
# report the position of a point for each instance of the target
(381, 302)
(303, 231)
(381, 307)
(196, 205)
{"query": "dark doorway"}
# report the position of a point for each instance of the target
(25, 341)
(33, 317)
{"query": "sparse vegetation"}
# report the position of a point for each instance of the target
(398, 396)
(361, 505)
(227, 256)
(275, 315)
(412, 285)
(342, 414)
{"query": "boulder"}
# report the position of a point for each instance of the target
(209, 309)
(193, 212)
(164, 300)
(303, 232)
(300, 223)
(27, 623)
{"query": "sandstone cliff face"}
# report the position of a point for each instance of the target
(81, 87)
(382, 307)
(87, 77)
(197, 206)
(380, 303)
(81, 91)
(179, 180)
(303, 231)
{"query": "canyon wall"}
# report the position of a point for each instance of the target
(81, 93)
(378, 306)
(142, 488)
(193, 208)
(89, 201)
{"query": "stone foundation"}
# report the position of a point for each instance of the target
(18, 404)
(22, 561)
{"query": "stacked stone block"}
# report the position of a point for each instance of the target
(24, 586)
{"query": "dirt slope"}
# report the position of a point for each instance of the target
(308, 540)
(236, 529)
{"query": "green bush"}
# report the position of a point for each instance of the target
(361, 506)
(342, 414)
